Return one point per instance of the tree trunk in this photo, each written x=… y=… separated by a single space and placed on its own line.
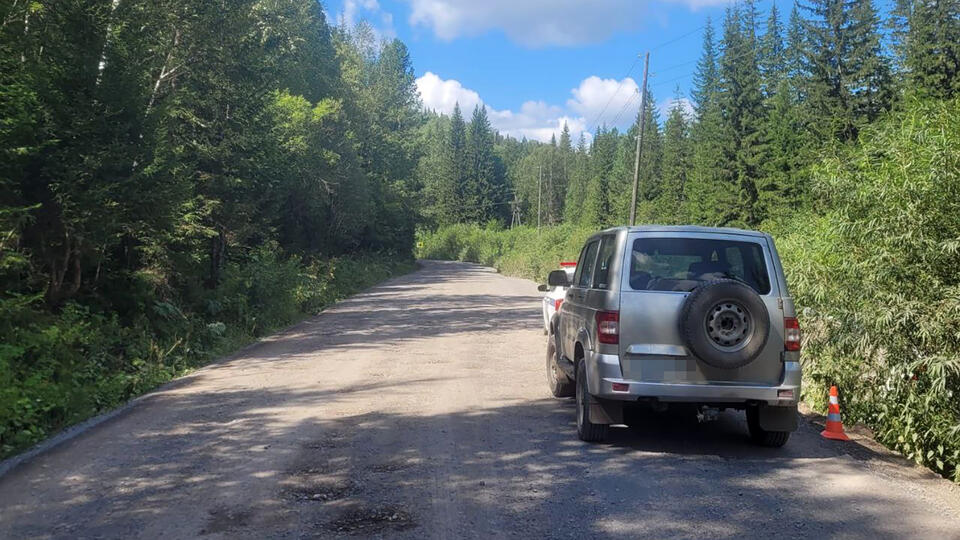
x=106 y=42
x=58 y=289
x=218 y=248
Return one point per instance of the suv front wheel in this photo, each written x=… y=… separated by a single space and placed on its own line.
x=586 y=430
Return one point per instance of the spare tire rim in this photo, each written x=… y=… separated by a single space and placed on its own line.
x=729 y=326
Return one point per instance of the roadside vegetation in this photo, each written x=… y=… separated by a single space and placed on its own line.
x=179 y=178
x=855 y=172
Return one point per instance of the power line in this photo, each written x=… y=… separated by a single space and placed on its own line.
x=720 y=58
x=626 y=106
x=617 y=91
x=668 y=81
x=673 y=67
x=678 y=38
x=603 y=111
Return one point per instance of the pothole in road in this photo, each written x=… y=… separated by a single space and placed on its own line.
x=314 y=485
x=372 y=520
x=316 y=494
x=332 y=440
x=390 y=466
x=224 y=519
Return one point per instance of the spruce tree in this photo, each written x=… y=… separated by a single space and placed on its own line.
x=455 y=167
x=565 y=158
x=705 y=78
x=795 y=53
x=931 y=47
x=781 y=187
x=773 y=67
x=741 y=103
x=707 y=135
x=650 y=157
x=676 y=165
x=598 y=208
x=848 y=78
x=579 y=181
x=483 y=177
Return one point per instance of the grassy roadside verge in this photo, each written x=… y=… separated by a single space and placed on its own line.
x=57 y=370
x=907 y=401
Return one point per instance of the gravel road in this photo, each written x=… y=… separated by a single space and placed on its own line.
x=420 y=409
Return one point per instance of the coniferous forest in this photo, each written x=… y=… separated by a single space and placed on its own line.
x=180 y=177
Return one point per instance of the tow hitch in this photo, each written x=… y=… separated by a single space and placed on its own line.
x=707 y=414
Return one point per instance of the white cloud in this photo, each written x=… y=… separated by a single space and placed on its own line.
x=606 y=101
x=537 y=23
x=442 y=95
x=540 y=120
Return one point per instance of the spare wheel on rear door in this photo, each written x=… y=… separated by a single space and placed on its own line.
x=724 y=323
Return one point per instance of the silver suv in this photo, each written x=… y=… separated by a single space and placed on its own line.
x=658 y=316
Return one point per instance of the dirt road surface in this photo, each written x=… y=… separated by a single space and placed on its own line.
x=420 y=410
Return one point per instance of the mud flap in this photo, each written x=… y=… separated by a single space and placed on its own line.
x=778 y=418
x=605 y=412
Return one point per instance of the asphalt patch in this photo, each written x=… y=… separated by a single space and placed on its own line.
x=372 y=520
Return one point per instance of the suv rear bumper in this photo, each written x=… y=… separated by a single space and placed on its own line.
x=607 y=373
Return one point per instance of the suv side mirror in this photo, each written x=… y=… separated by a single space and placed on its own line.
x=543 y=288
x=558 y=278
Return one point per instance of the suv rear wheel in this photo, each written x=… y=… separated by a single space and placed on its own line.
x=560 y=385
x=773 y=439
x=586 y=430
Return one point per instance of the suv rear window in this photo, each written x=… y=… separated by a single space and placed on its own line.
x=586 y=265
x=681 y=264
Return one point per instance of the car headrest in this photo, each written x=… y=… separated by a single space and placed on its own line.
x=708 y=267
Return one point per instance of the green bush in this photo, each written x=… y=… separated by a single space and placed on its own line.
x=880 y=278
x=521 y=251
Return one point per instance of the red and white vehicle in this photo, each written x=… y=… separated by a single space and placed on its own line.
x=554 y=296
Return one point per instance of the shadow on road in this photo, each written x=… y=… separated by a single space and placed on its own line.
x=483 y=473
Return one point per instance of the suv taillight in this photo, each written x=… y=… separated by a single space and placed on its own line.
x=557 y=303
x=791 y=334
x=608 y=327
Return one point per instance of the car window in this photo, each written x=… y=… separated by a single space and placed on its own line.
x=579 y=269
x=586 y=265
x=608 y=247
x=681 y=264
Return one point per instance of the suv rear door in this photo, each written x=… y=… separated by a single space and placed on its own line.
x=659 y=269
x=574 y=306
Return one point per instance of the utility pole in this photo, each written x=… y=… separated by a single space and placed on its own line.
x=643 y=124
x=539 y=196
x=515 y=220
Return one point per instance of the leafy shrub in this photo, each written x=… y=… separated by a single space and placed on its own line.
x=260 y=293
x=880 y=275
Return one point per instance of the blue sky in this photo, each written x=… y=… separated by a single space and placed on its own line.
x=538 y=63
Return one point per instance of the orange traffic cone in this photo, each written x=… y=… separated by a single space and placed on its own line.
x=834 y=424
